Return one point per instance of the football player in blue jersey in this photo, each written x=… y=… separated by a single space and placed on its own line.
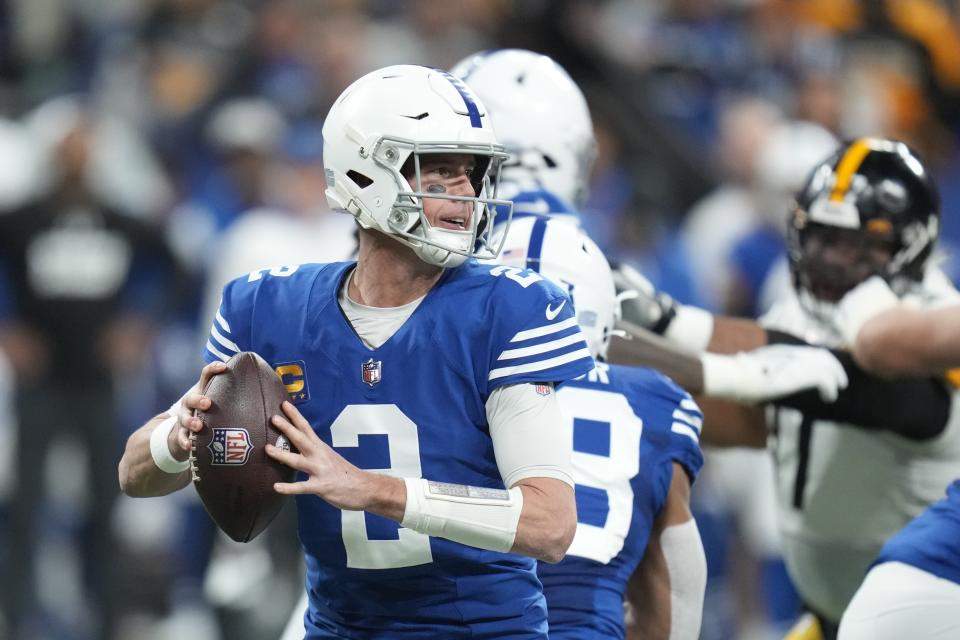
x=635 y=455
x=434 y=461
x=913 y=588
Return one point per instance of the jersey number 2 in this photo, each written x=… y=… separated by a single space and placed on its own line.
x=410 y=548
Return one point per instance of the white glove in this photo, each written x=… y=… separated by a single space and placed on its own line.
x=864 y=302
x=772 y=372
x=644 y=306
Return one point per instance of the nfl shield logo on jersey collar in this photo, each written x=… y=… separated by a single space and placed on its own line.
x=370 y=371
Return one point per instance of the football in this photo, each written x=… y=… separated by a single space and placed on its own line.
x=231 y=470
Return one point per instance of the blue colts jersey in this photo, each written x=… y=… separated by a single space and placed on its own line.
x=412 y=408
x=931 y=541
x=629 y=426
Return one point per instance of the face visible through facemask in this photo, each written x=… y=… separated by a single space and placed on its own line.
x=446 y=174
x=836 y=260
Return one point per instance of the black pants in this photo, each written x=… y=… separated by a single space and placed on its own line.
x=87 y=415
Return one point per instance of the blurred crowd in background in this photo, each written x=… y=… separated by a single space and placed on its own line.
x=151 y=150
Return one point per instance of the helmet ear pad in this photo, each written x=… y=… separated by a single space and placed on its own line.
x=875 y=198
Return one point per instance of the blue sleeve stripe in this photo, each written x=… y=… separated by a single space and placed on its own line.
x=540 y=365
x=545 y=330
x=694 y=421
x=224 y=341
x=543 y=347
x=688 y=404
x=219 y=354
x=222 y=321
x=686 y=430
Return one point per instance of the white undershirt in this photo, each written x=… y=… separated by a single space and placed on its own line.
x=374 y=325
x=531 y=436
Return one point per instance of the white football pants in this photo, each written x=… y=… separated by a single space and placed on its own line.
x=898 y=601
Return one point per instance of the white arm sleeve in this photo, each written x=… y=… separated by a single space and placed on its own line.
x=532 y=437
x=687 y=568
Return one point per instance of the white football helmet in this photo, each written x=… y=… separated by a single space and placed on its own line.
x=393 y=116
x=566 y=256
x=540 y=115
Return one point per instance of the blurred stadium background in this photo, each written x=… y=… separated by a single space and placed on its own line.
x=152 y=149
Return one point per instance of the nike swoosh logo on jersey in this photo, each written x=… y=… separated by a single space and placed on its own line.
x=553 y=313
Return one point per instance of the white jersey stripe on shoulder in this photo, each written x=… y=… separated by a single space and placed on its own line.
x=223 y=340
x=686 y=430
x=222 y=321
x=694 y=421
x=543 y=347
x=539 y=365
x=689 y=405
x=212 y=349
x=544 y=330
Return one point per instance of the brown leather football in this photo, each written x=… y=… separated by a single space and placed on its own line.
x=231 y=470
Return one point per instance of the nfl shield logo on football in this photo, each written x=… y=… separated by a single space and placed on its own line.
x=542 y=388
x=370 y=371
x=230 y=446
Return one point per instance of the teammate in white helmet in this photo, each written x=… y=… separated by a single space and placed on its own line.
x=636 y=453
x=542 y=119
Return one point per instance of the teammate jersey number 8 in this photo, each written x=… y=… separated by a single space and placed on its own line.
x=605 y=458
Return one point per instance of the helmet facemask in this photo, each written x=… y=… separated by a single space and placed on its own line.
x=833 y=260
x=407 y=220
x=404 y=113
x=869 y=210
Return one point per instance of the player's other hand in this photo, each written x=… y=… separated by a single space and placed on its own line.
x=329 y=475
x=187 y=423
x=643 y=305
x=773 y=372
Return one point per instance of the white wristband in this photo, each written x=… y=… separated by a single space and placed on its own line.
x=724 y=376
x=475 y=516
x=691 y=328
x=160 y=450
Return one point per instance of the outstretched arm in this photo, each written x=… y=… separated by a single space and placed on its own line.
x=685 y=326
x=824 y=384
x=910 y=342
x=890 y=338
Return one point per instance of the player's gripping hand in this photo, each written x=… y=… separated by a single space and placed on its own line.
x=187 y=423
x=329 y=475
x=773 y=372
x=648 y=308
